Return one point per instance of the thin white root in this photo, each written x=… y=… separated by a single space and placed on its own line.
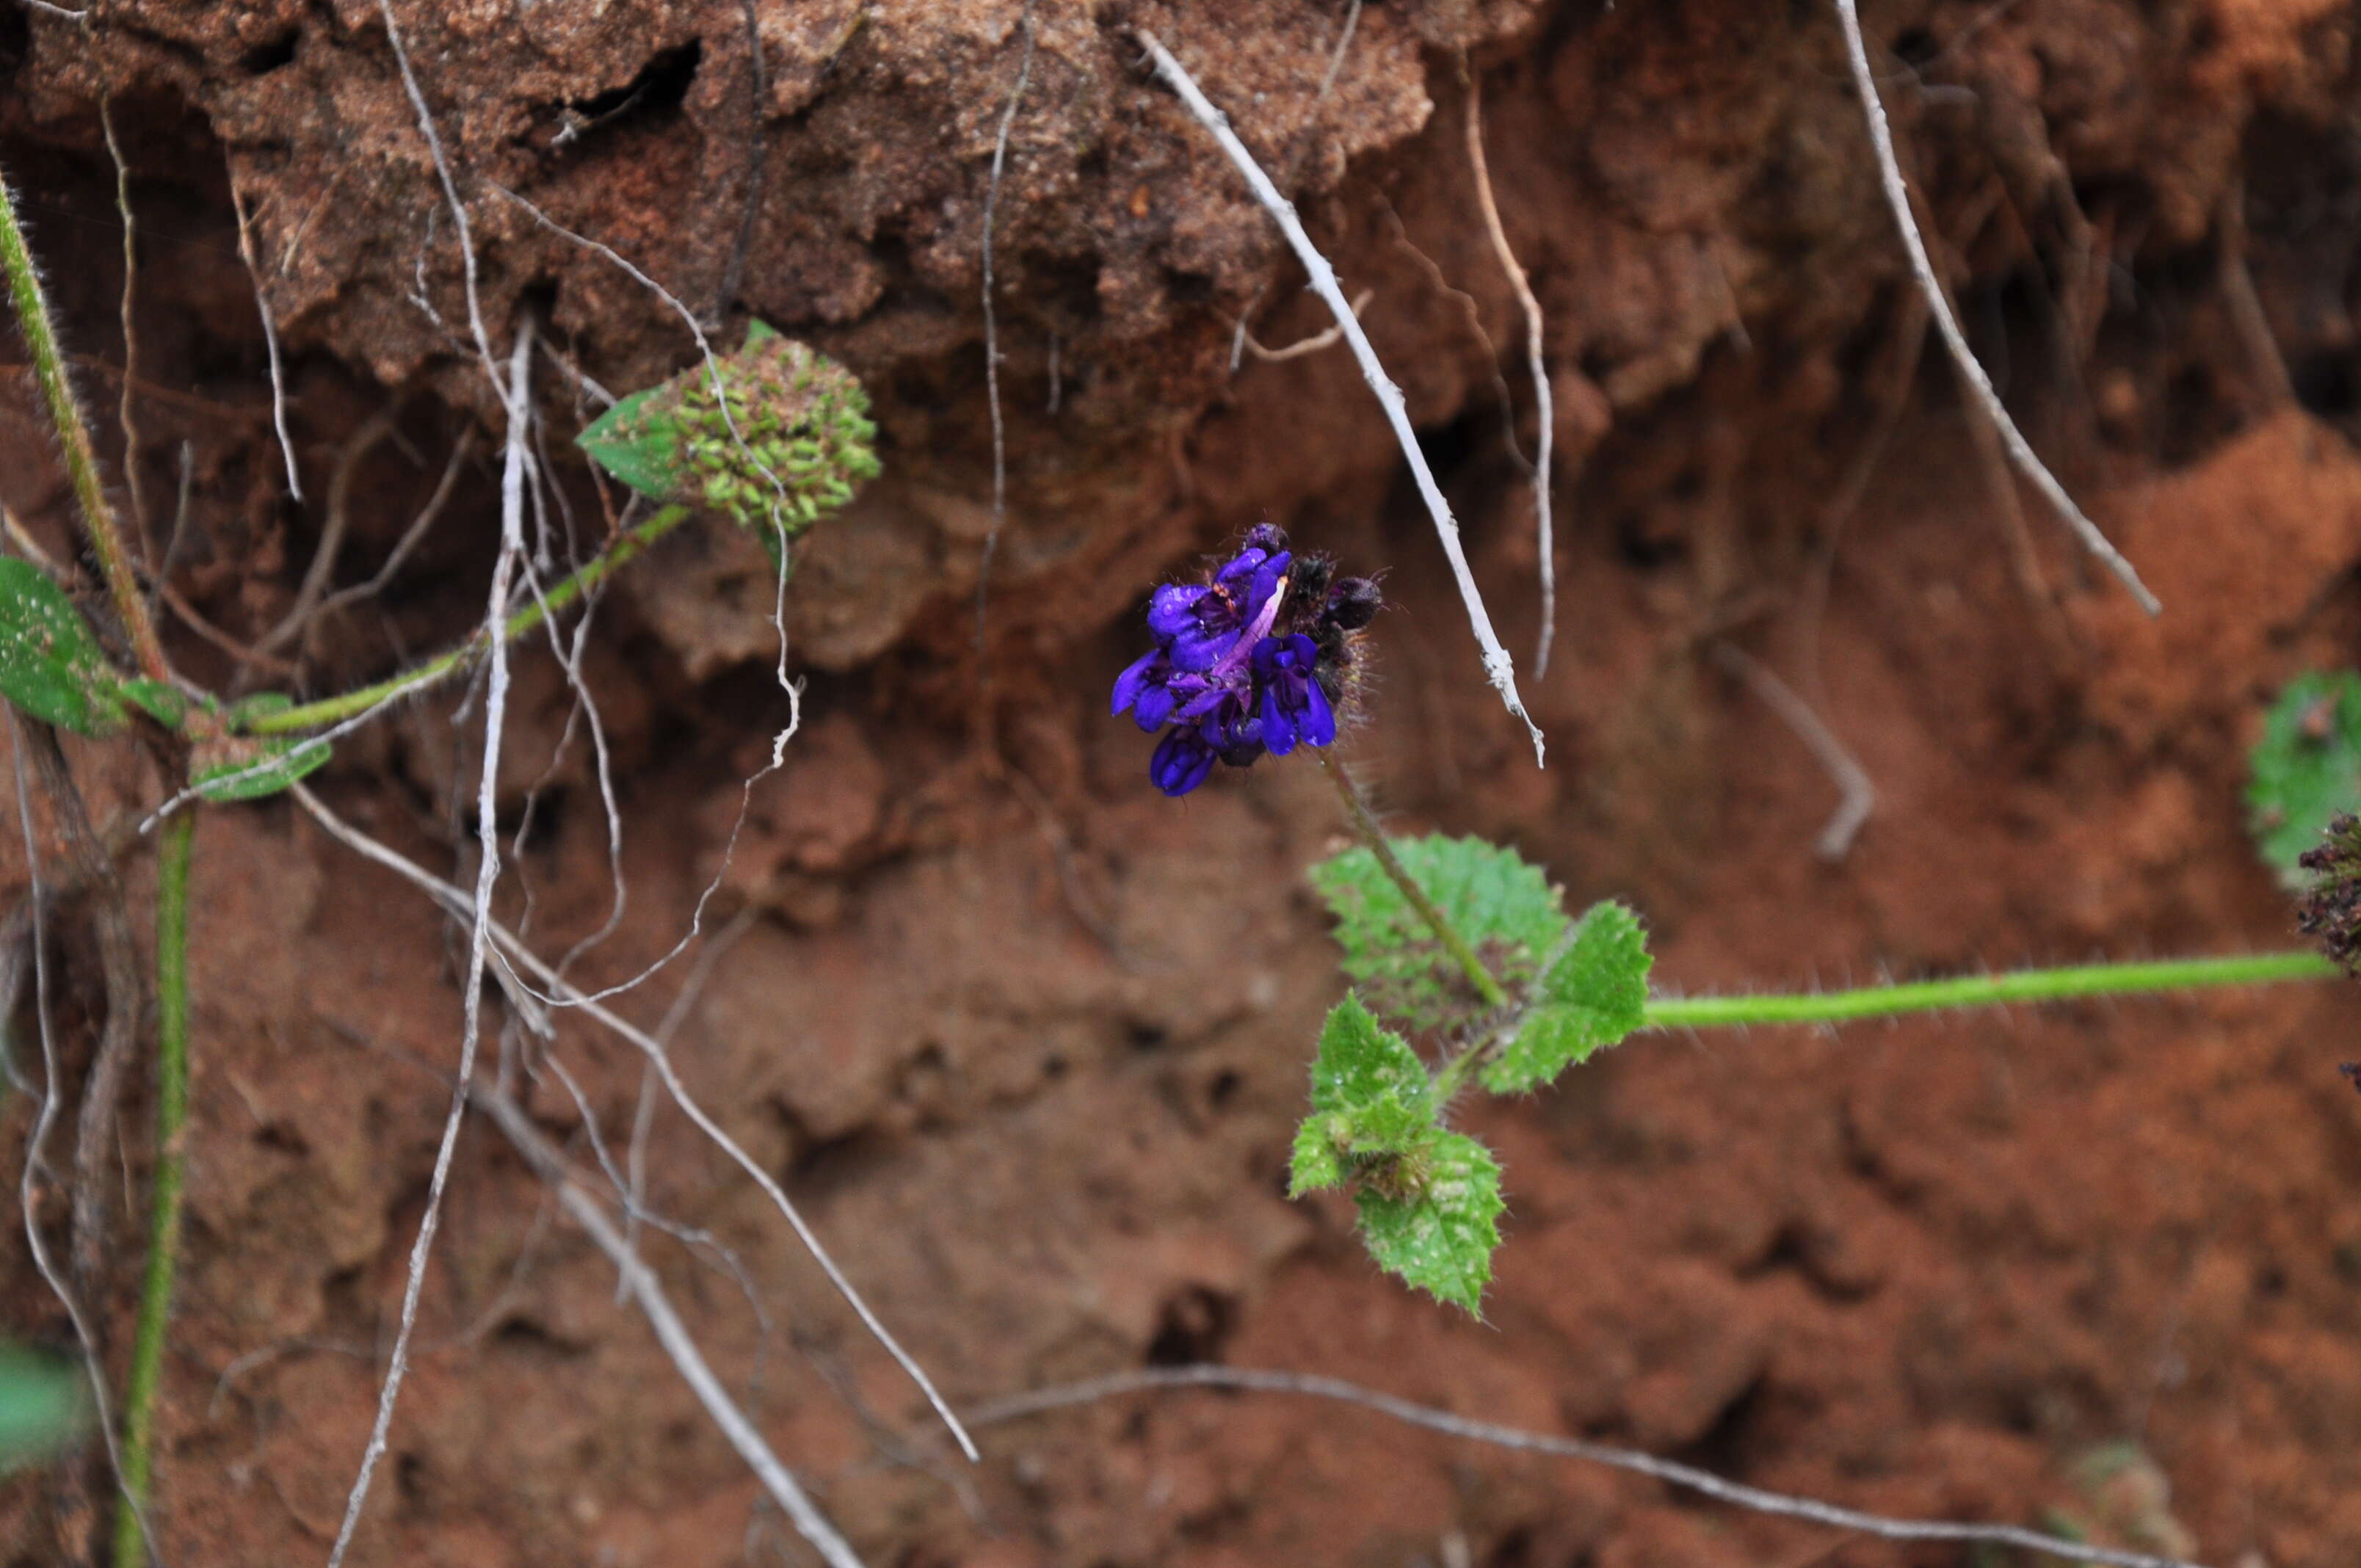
x=992 y=329
x=516 y=392
x=456 y=900
x=1545 y=407
x=2020 y=451
x=1327 y=338
x=269 y=345
x=742 y=1433
x=1499 y=668
x=1668 y=1471
x=1860 y=796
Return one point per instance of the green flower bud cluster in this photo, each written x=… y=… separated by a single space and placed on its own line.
x=776 y=434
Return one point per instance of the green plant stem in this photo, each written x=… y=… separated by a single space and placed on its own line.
x=443 y=666
x=1987 y=991
x=74 y=438
x=173 y=849
x=1365 y=823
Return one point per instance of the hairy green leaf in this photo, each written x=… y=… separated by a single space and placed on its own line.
x=1435 y=1222
x=50 y=665
x=1361 y=1064
x=2305 y=769
x=247 y=767
x=1503 y=906
x=41 y=1404
x=1594 y=995
x=638 y=443
x=1319 y=1159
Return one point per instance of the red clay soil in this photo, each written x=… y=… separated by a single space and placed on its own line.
x=1027 y=1040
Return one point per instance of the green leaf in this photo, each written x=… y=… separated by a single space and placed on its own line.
x=1594 y=995
x=241 y=767
x=1371 y=1098
x=638 y=443
x=50 y=666
x=1319 y=1159
x=1439 y=1226
x=41 y=1404
x=2305 y=769
x=1361 y=1064
x=167 y=703
x=1505 y=908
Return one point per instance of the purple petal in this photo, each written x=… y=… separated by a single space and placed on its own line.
x=1319 y=722
x=1277 y=725
x=1173 y=610
x=1266 y=583
x=1154 y=708
x=1135 y=679
x=1201 y=648
x=1240 y=566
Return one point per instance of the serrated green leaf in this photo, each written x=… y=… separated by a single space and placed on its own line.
x=1505 y=908
x=1319 y=1159
x=41 y=1404
x=2305 y=769
x=639 y=442
x=250 y=767
x=1594 y=995
x=50 y=665
x=1361 y=1064
x=1438 y=1231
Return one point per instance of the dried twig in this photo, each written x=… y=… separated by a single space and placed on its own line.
x=992 y=329
x=1499 y=668
x=2020 y=451
x=1544 y=413
x=741 y=1433
x=1670 y=1472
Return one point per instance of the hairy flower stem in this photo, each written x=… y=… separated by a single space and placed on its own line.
x=443 y=666
x=1987 y=991
x=164 y=1219
x=1365 y=823
x=74 y=438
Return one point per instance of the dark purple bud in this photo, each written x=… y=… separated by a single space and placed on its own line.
x=1353 y=603
x=1180 y=764
x=1267 y=537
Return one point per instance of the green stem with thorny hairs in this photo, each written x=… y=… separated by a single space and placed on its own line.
x=1987 y=991
x=164 y=1220
x=310 y=716
x=82 y=461
x=1889 y=1001
x=1365 y=823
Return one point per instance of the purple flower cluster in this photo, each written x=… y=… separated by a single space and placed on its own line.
x=1255 y=660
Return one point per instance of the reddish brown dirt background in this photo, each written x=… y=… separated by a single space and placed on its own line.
x=1029 y=1040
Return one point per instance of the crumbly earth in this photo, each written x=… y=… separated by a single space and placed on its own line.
x=1027 y=1041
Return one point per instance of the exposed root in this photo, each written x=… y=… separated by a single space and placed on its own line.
x=2020 y=451
x=1544 y=413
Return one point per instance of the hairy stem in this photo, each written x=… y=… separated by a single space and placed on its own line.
x=1356 y=811
x=443 y=666
x=1987 y=991
x=164 y=1220
x=74 y=438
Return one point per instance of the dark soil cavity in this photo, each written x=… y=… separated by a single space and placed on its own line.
x=1030 y=1040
